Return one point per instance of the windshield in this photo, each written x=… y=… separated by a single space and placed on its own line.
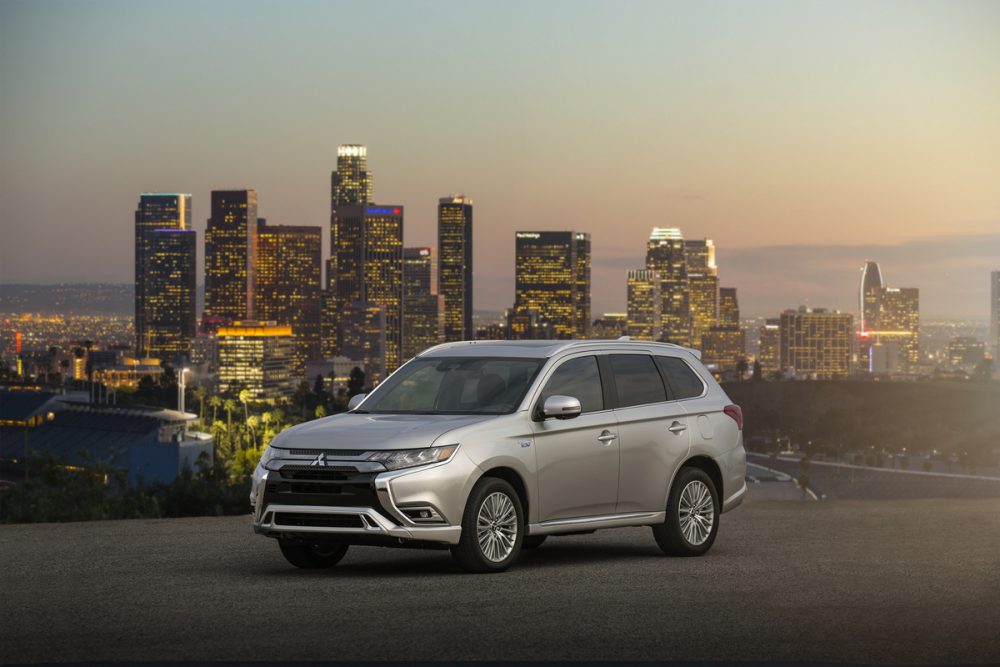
x=455 y=386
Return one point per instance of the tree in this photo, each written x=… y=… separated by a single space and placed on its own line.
x=320 y=411
x=355 y=382
x=200 y=395
x=230 y=405
x=757 y=372
x=244 y=399
x=742 y=367
x=215 y=402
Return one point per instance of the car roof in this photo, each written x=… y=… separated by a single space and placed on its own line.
x=543 y=349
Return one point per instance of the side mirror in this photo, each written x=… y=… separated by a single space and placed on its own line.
x=355 y=401
x=561 y=407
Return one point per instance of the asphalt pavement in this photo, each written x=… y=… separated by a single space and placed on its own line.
x=915 y=581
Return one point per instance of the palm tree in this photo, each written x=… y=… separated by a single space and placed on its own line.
x=244 y=398
x=230 y=405
x=200 y=394
x=215 y=402
x=252 y=422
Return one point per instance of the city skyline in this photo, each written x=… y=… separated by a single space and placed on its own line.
x=880 y=150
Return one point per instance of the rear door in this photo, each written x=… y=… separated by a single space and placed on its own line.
x=653 y=431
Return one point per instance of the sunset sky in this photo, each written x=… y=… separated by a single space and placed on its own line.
x=803 y=137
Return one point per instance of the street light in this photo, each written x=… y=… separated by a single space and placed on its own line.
x=180 y=389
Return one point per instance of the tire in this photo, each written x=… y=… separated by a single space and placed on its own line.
x=491 y=500
x=678 y=536
x=533 y=541
x=312 y=556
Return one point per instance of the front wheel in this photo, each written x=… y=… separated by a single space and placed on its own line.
x=312 y=556
x=492 y=528
x=692 y=519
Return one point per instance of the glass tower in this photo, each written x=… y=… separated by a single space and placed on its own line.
x=871 y=282
x=552 y=278
x=289 y=271
x=665 y=255
x=455 y=266
x=644 y=304
x=155 y=211
x=231 y=255
x=369 y=260
x=170 y=292
x=421 y=305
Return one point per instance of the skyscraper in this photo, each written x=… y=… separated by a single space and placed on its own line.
x=769 y=347
x=871 y=282
x=350 y=183
x=816 y=342
x=364 y=338
x=729 y=307
x=455 y=266
x=644 y=304
x=703 y=286
x=231 y=255
x=369 y=259
x=155 y=211
x=421 y=305
x=665 y=255
x=552 y=277
x=256 y=356
x=289 y=273
x=995 y=318
x=898 y=321
x=170 y=293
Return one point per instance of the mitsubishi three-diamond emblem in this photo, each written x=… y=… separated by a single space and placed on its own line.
x=319 y=460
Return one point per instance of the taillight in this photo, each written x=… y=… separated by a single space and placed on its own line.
x=736 y=413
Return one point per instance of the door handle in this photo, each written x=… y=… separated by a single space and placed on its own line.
x=677 y=428
x=607 y=437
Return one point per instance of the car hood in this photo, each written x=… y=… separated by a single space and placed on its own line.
x=369 y=432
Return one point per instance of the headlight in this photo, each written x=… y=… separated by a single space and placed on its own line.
x=267 y=455
x=408 y=458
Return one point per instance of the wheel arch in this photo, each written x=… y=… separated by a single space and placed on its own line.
x=707 y=465
x=515 y=479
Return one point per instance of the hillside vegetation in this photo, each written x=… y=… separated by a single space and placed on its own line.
x=960 y=418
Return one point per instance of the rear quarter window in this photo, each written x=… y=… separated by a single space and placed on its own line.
x=681 y=378
x=636 y=380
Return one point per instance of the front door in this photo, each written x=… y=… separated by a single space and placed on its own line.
x=577 y=458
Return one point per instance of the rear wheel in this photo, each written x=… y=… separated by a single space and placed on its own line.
x=312 y=556
x=692 y=519
x=492 y=528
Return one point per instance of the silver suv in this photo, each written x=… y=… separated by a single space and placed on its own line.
x=489 y=447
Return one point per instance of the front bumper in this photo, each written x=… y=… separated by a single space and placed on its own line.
x=356 y=501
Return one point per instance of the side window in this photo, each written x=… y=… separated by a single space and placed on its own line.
x=684 y=382
x=579 y=378
x=637 y=380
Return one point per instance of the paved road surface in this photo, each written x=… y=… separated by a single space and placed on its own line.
x=913 y=581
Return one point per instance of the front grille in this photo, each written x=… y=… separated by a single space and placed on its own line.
x=318 y=520
x=330 y=453
x=322 y=487
x=333 y=473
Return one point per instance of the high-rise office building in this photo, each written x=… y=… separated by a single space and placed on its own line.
x=289 y=274
x=231 y=255
x=610 y=326
x=703 y=286
x=995 y=318
x=816 y=342
x=455 y=266
x=364 y=338
x=421 y=305
x=155 y=211
x=898 y=321
x=644 y=304
x=665 y=255
x=552 y=277
x=769 y=347
x=170 y=294
x=369 y=258
x=871 y=282
x=729 y=307
x=723 y=344
x=965 y=352
x=351 y=183
x=258 y=357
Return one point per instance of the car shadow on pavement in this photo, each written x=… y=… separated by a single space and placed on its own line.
x=414 y=562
